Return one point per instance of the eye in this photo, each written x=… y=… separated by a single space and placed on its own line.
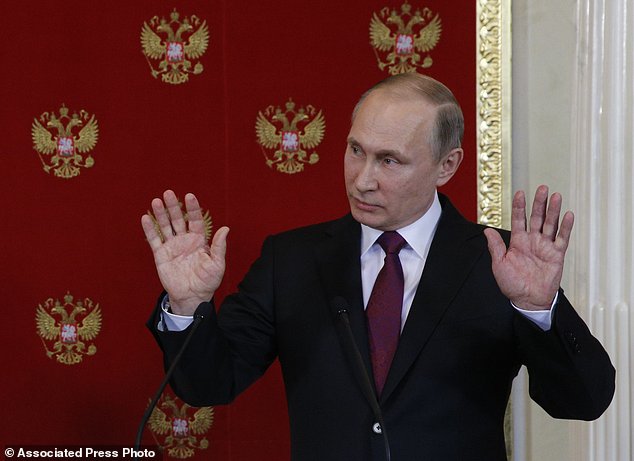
x=356 y=150
x=389 y=161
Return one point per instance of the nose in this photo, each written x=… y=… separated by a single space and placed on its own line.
x=366 y=180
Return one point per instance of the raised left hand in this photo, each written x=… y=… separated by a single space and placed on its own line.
x=529 y=271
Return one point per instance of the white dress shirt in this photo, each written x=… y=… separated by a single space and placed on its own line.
x=413 y=255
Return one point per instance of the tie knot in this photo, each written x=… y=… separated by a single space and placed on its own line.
x=391 y=242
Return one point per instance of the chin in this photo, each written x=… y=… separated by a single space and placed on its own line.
x=368 y=219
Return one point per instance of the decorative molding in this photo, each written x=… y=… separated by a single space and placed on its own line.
x=493 y=75
x=493 y=89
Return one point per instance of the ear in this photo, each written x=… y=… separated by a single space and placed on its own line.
x=449 y=165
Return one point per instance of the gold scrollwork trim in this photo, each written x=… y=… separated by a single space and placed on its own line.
x=494 y=111
x=493 y=74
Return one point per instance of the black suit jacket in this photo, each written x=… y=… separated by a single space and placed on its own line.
x=446 y=392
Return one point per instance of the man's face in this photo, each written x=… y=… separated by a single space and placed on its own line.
x=390 y=173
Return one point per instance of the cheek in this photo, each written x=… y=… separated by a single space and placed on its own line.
x=349 y=170
x=411 y=191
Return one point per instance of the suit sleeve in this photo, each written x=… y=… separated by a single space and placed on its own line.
x=570 y=373
x=231 y=348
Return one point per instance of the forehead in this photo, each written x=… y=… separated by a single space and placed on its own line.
x=386 y=116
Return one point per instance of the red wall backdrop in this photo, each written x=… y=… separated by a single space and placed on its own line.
x=83 y=236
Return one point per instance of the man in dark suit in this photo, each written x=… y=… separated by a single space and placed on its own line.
x=442 y=324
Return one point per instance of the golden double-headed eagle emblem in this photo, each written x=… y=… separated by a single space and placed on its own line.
x=67 y=328
x=286 y=136
x=67 y=137
x=402 y=37
x=176 y=426
x=176 y=45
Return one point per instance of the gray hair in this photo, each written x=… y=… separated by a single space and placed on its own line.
x=449 y=124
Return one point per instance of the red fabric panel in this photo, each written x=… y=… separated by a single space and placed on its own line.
x=83 y=236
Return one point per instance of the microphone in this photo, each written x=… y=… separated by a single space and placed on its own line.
x=340 y=308
x=198 y=318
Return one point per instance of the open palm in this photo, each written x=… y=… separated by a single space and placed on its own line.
x=529 y=271
x=190 y=270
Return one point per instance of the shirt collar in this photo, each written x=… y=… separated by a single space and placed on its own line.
x=417 y=234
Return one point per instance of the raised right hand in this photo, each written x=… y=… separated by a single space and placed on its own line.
x=190 y=270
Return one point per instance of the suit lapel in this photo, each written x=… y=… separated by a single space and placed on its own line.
x=338 y=261
x=452 y=254
x=451 y=257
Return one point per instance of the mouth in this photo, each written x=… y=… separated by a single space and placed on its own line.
x=363 y=206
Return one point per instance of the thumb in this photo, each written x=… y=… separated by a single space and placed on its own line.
x=497 y=248
x=219 y=242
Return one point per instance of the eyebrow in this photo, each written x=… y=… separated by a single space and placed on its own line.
x=380 y=153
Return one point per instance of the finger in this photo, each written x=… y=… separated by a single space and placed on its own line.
x=538 y=212
x=219 y=243
x=551 y=223
x=163 y=220
x=151 y=234
x=565 y=230
x=175 y=212
x=518 y=213
x=195 y=219
x=497 y=248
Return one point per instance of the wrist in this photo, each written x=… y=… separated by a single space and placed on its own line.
x=527 y=306
x=185 y=307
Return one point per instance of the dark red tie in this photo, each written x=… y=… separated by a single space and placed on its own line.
x=384 y=308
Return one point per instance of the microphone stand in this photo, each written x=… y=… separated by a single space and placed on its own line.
x=361 y=371
x=198 y=318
